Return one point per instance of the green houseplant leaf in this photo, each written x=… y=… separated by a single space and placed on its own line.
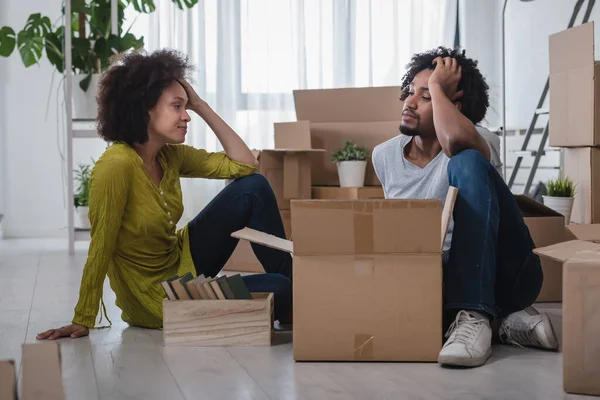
x=350 y=152
x=8 y=41
x=561 y=187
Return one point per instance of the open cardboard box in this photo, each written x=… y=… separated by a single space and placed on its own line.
x=367 y=277
x=41 y=372
x=328 y=117
x=581 y=312
x=546 y=227
x=574 y=88
x=582 y=165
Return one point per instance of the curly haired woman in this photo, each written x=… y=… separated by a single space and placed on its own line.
x=135 y=197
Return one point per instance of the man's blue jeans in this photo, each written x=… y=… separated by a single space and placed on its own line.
x=490 y=267
x=245 y=202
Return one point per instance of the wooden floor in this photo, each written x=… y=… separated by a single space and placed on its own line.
x=39 y=285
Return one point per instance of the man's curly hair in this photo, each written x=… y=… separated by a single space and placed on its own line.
x=131 y=87
x=475 y=99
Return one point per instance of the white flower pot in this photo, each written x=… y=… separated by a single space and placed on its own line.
x=83 y=221
x=352 y=173
x=84 y=103
x=562 y=205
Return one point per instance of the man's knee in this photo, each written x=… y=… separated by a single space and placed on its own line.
x=467 y=162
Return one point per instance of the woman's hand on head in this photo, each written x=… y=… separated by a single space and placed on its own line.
x=194 y=101
x=73 y=331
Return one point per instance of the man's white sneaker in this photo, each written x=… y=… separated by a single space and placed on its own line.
x=528 y=327
x=469 y=341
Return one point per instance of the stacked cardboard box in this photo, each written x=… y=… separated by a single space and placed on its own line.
x=367 y=278
x=581 y=307
x=546 y=227
x=300 y=167
x=575 y=115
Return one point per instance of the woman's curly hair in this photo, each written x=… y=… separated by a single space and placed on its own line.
x=131 y=87
x=475 y=100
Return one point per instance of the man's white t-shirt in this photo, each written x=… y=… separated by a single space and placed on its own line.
x=402 y=179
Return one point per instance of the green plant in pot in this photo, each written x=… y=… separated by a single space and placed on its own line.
x=351 y=162
x=82 y=195
x=92 y=43
x=561 y=195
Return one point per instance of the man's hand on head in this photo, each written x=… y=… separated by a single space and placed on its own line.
x=446 y=75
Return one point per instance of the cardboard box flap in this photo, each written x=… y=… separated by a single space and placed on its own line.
x=366 y=226
x=8 y=380
x=448 y=211
x=348 y=104
x=587 y=232
x=254 y=236
x=573 y=249
x=531 y=208
x=572 y=48
x=292 y=135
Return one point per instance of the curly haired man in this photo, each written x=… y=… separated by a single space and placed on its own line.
x=491 y=275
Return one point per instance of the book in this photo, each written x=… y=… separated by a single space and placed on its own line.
x=168 y=288
x=238 y=287
x=180 y=289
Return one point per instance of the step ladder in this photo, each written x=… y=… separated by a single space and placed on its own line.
x=540 y=111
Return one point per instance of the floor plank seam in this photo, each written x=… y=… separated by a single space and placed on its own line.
x=37 y=272
x=162 y=354
x=248 y=373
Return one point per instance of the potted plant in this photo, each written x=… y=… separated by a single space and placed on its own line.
x=561 y=193
x=351 y=161
x=81 y=198
x=92 y=44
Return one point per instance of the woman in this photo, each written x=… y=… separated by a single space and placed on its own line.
x=135 y=197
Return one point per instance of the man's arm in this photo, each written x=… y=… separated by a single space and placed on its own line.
x=455 y=132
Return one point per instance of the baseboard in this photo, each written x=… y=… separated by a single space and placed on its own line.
x=34 y=233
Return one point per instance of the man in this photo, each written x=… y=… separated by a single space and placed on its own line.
x=491 y=275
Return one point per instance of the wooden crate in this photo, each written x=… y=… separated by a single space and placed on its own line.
x=226 y=323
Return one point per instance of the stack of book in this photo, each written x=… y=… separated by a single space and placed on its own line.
x=187 y=287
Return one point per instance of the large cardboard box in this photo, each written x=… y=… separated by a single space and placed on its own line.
x=583 y=166
x=367 y=278
x=369 y=116
x=289 y=174
x=581 y=314
x=546 y=227
x=574 y=88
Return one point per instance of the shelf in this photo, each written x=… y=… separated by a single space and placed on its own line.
x=82 y=235
x=85 y=129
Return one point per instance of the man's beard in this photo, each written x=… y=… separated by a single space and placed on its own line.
x=408 y=131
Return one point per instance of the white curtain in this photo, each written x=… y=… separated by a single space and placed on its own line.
x=251 y=54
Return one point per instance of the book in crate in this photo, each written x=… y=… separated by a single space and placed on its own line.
x=204 y=312
x=201 y=288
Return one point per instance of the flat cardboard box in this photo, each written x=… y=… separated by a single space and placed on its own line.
x=582 y=165
x=574 y=88
x=546 y=227
x=581 y=314
x=369 y=116
x=243 y=258
x=8 y=380
x=367 y=278
x=220 y=323
x=331 y=192
x=41 y=376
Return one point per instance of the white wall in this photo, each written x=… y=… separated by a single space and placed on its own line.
x=528 y=26
x=33 y=192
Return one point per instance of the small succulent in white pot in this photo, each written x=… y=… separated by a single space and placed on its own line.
x=561 y=195
x=351 y=161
